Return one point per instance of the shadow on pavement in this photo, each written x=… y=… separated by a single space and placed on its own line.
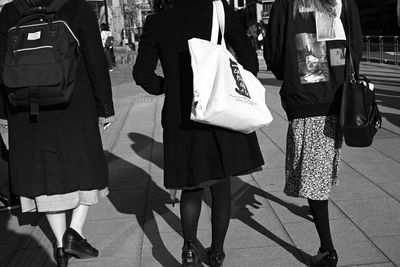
x=158 y=206
x=390 y=99
x=11 y=242
x=244 y=195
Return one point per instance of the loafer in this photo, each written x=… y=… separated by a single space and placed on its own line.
x=325 y=259
x=61 y=257
x=77 y=246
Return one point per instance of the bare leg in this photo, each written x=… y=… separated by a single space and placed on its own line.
x=58 y=225
x=78 y=218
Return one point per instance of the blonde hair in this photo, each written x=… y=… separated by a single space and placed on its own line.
x=324 y=6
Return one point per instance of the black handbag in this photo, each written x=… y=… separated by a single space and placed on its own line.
x=360 y=118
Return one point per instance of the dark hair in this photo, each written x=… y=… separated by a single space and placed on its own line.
x=324 y=6
x=162 y=5
x=34 y=2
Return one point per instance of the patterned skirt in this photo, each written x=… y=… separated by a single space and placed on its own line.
x=313 y=149
x=62 y=202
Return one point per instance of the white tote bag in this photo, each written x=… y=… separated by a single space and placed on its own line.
x=224 y=94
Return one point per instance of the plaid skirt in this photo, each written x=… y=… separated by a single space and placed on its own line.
x=55 y=203
x=313 y=149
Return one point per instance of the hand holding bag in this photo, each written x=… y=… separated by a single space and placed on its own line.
x=224 y=93
x=359 y=115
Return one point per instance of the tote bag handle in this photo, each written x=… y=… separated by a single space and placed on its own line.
x=218 y=23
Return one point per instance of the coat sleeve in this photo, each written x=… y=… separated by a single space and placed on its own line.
x=146 y=61
x=3 y=49
x=274 y=41
x=355 y=36
x=237 y=38
x=95 y=61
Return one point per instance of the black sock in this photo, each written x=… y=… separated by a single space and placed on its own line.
x=319 y=211
x=220 y=213
x=190 y=208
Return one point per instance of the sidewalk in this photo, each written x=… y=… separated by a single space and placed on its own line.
x=136 y=226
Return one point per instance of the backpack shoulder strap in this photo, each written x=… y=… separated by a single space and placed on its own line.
x=22 y=6
x=56 y=5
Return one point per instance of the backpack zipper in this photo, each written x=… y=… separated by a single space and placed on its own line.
x=40 y=24
x=32 y=48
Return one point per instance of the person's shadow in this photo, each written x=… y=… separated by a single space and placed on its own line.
x=244 y=195
x=21 y=249
x=388 y=98
x=145 y=208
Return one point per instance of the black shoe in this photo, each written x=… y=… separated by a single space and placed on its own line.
x=9 y=202
x=215 y=259
x=78 y=246
x=190 y=255
x=61 y=257
x=325 y=259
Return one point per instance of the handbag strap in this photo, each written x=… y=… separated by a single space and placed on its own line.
x=347 y=13
x=218 y=23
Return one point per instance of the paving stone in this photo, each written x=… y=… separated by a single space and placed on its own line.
x=274 y=159
x=390 y=245
x=251 y=228
x=384 y=134
x=264 y=256
x=366 y=154
x=121 y=162
x=114 y=262
x=385 y=171
x=271 y=180
x=380 y=264
x=163 y=218
x=6 y=254
x=376 y=217
x=164 y=249
x=354 y=186
x=32 y=257
x=115 y=238
x=127 y=179
x=119 y=204
x=246 y=195
x=393 y=189
x=389 y=146
x=353 y=247
x=293 y=210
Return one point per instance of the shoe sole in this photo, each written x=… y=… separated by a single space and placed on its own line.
x=78 y=254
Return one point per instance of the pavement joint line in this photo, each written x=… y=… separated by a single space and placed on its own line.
x=362 y=231
x=282 y=225
x=147 y=194
x=374 y=183
x=275 y=143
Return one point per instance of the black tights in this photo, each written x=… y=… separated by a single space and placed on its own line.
x=319 y=211
x=220 y=213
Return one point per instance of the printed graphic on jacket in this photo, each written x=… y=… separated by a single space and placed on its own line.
x=337 y=56
x=241 y=89
x=311 y=58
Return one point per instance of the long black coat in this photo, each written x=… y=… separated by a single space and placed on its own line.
x=194 y=153
x=62 y=151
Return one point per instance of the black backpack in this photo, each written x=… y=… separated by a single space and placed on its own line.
x=42 y=58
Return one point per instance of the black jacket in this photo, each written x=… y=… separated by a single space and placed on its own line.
x=194 y=153
x=309 y=88
x=62 y=152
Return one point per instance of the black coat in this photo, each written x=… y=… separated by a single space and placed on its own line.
x=62 y=151
x=194 y=153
